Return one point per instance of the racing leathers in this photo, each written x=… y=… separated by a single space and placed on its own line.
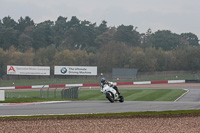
x=111 y=85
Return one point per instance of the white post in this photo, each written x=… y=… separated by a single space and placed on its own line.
x=2 y=95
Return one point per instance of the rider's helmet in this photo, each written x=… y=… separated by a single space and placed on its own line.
x=103 y=80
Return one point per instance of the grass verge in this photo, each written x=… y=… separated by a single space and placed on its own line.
x=129 y=95
x=31 y=82
x=108 y=115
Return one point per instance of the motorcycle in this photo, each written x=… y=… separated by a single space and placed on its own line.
x=111 y=94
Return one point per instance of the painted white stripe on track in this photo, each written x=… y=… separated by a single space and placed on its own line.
x=30 y=103
x=182 y=95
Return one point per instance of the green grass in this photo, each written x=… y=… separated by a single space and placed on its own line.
x=136 y=94
x=30 y=82
x=129 y=95
x=169 y=77
x=99 y=115
x=32 y=94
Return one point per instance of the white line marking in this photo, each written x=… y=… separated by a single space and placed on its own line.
x=30 y=103
x=182 y=95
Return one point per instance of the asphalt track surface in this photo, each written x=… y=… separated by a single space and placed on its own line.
x=189 y=101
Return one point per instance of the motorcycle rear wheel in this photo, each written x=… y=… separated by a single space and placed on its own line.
x=121 y=99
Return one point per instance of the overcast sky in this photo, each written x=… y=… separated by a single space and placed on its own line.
x=179 y=16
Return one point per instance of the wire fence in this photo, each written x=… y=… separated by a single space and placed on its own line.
x=44 y=93
x=59 y=93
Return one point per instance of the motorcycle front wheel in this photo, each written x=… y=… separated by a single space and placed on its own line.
x=110 y=97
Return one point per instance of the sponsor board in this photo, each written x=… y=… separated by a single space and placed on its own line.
x=28 y=70
x=75 y=70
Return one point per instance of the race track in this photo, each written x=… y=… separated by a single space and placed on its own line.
x=189 y=101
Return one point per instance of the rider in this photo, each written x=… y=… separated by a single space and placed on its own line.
x=103 y=82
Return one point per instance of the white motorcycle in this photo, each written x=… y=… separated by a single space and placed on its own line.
x=111 y=94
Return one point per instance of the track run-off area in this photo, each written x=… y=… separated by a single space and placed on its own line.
x=189 y=101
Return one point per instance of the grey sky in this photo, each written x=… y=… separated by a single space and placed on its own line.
x=179 y=16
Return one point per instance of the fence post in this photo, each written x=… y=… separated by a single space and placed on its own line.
x=62 y=93
x=55 y=93
x=41 y=92
x=48 y=93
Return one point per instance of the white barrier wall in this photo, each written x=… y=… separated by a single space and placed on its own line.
x=176 y=81
x=2 y=95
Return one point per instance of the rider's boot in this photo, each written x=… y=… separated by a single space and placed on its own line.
x=119 y=94
x=115 y=87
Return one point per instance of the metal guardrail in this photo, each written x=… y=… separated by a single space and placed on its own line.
x=71 y=93
x=192 y=81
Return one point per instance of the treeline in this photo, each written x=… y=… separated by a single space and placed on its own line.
x=82 y=43
x=111 y=55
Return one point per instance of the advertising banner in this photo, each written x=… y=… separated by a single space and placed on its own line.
x=28 y=70
x=75 y=70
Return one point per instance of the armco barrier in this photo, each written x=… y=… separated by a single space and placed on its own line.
x=125 y=83
x=176 y=81
x=91 y=84
x=159 y=82
x=56 y=86
x=97 y=84
x=192 y=81
x=142 y=82
x=23 y=87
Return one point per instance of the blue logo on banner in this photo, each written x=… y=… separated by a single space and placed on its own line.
x=63 y=70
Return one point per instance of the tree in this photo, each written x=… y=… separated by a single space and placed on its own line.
x=102 y=27
x=181 y=62
x=2 y=62
x=65 y=57
x=8 y=37
x=8 y=22
x=105 y=37
x=81 y=58
x=25 y=40
x=165 y=60
x=8 y=34
x=28 y=57
x=87 y=36
x=191 y=38
x=43 y=35
x=151 y=59
x=193 y=58
x=128 y=35
x=112 y=55
x=59 y=30
x=165 y=39
x=146 y=39
x=137 y=59
x=24 y=22
x=45 y=56
x=80 y=35
x=13 y=57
